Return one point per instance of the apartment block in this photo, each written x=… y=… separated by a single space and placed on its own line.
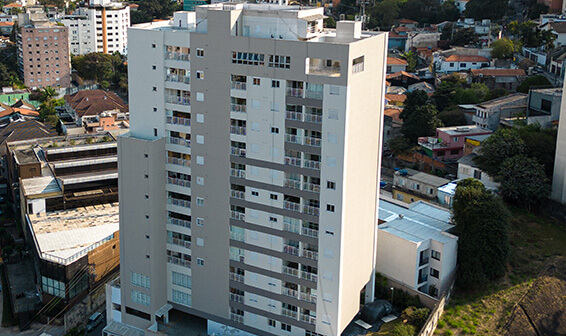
x=43 y=51
x=248 y=180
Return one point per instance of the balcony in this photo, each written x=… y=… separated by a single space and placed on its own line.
x=240 y=173
x=237 y=194
x=236 y=277
x=179 y=242
x=295 y=92
x=179 y=182
x=178 y=78
x=297 y=116
x=292 y=206
x=309 y=232
x=239 y=86
x=311 y=210
x=239 y=130
x=313 y=118
x=307 y=297
x=179 y=141
x=310 y=254
x=292 y=138
x=423 y=278
x=312 y=164
x=289 y=313
x=236 y=298
x=179 y=161
x=238 y=151
x=178 y=100
x=237 y=215
x=238 y=108
x=178 y=121
x=176 y=56
x=307 y=318
x=179 y=222
x=236 y=318
x=290 y=228
x=292 y=161
x=289 y=292
x=293 y=184
x=179 y=261
x=314 y=142
x=311 y=187
x=423 y=261
x=237 y=257
x=308 y=276
x=290 y=271
x=312 y=94
x=179 y=202
x=237 y=236
x=292 y=250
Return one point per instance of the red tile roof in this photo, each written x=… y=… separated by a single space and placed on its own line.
x=402 y=73
x=394 y=114
x=6 y=24
x=23 y=111
x=395 y=97
x=498 y=72
x=466 y=58
x=13 y=5
x=402 y=29
x=407 y=21
x=396 y=61
x=94 y=102
x=395 y=35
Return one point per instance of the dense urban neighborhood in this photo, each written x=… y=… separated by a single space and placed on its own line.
x=282 y=167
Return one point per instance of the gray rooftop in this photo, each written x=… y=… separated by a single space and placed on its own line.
x=469 y=160
x=425 y=178
x=463 y=130
x=503 y=100
x=479 y=138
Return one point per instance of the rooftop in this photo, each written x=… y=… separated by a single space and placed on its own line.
x=94 y=102
x=503 y=100
x=396 y=61
x=469 y=160
x=395 y=97
x=416 y=222
x=479 y=137
x=498 y=72
x=402 y=73
x=466 y=58
x=64 y=236
x=425 y=178
x=463 y=130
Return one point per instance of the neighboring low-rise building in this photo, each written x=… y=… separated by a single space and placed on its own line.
x=467 y=168
x=508 y=79
x=448 y=145
x=473 y=142
x=490 y=113
x=455 y=63
x=395 y=99
x=87 y=106
x=423 y=86
x=402 y=78
x=544 y=106
x=415 y=248
x=410 y=186
x=446 y=193
x=395 y=64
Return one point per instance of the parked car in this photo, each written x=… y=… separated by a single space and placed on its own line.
x=94 y=320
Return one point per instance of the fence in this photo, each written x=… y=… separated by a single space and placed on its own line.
x=432 y=320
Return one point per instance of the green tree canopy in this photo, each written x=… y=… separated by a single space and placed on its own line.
x=452 y=117
x=538 y=80
x=464 y=37
x=501 y=145
x=523 y=181
x=540 y=144
x=482 y=227
x=153 y=9
x=486 y=9
x=411 y=59
x=503 y=48
x=384 y=13
x=420 y=118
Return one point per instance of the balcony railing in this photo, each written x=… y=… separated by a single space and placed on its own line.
x=312 y=164
x=178 y=78
x=308 y=276
x=423 y=261
x=236 y=277
x=293 y=184
x=314 y=94
x=311 y=187
x=179 y=242
x=236 y=318
x=292 y=161
x=239 y=86
x=238 y=151
x=179 y=261
x=291 y=250
x=237 y=236
x=290 y=228
x=307 y=318
x=178 y=121
x=290 y=115
x=237 y=257
x=290 y=271
x=289 y=313
x=179 y=202
x=310 y=254
x=179 y=141
x=179 y=161
x=311 y=210
x=178 y=100
x=313 y=118
x=289 y=292
x=179 y=222
x=315 y=142
x=309 y=232
x=239 y=130
x=176 y=56
x=292 y=206
x=238 y=108
x=292 y=138
x=292 y=92
x=179 y=182
x=241 y=173
x=238 y=215
x=307 y=297
x=236 y=298
x=238 y=194
x=423 y=278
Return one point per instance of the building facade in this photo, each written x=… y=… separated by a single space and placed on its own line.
x=248 y=180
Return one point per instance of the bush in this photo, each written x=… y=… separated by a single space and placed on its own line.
x=404 y=330
x=416 y=316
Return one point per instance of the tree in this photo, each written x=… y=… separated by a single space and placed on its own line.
x=399 y=145
x=501 y=145
x=540 y=144
x=503 y=48
x=452 y=117
x=486 y=9
x=47 y=94
x=383 y=14
x=536 y=10
x=482 y=227
x=329 y=22
x=448 y=11
x=523 y=181
x=157 y=9
x=496 y=93
x=411 y=59
x=464 y=37
x=537 y=81
x=420 y=121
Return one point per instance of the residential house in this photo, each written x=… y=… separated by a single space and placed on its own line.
x=423 y=86
x=456 y=63
x=415 y=248
x=395 y=64
x=402 y=78
x=467 y=168
x=391 y=125
x=411 y=185
x=85 y=107
x=474 y=142
x=557 y=57
x=508 y=79
x=422 y=39
x=7 y=9
x=535 y=55
x=11 y=96
x=544 y=106
x=558 y=29
x=448 y=145
x=446 y=193
x=398 y=37
x=490 y=113
x=6 y=28
x=407 y=23
x=395 y=99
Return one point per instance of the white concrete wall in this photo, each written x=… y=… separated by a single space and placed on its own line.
x=397 y=258
x=559 y=177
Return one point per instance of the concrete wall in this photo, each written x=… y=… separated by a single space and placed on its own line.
x=559 y=177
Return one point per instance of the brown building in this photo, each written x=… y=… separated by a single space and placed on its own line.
x=43 y=51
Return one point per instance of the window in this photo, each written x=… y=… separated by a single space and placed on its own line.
x=277 y=61
x=256 y=81
x=451 y=65
x=271 y=323
x=477 y=174
x=454 y=151
x=200 y=96
x=275 y=130
x=155 y=109
x=239 y=57
x=455 y=139
x=434 y=273
x=389 y=69
x=141 y=298
x=275 y=83
x=200 y=261
x=200 y=221
x=273 y=197
x=286 y=327
x=153 y=67
x=545 y=105
x=155 y=132
x=358 y=64
x=200 y=201
x=330 y=207
x=153 y=45
x=53 y=287
x=200 y=52
x=139 y=280
x=180 y=297
x=330 y=185
x=400 y=197
x=200 y=74
x=440 y=153
x=462 y=65
x=200 y=139
x=429 y=190
x=435 y=255
x=273 y=219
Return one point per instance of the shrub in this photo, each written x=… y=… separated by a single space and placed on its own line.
x=416 y=316
x=403 y=330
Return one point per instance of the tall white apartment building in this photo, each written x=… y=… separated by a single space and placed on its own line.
x=101 y=27
x=248 y=181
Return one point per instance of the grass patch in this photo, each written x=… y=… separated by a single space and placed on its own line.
x=8 y=319
x=387 y=328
